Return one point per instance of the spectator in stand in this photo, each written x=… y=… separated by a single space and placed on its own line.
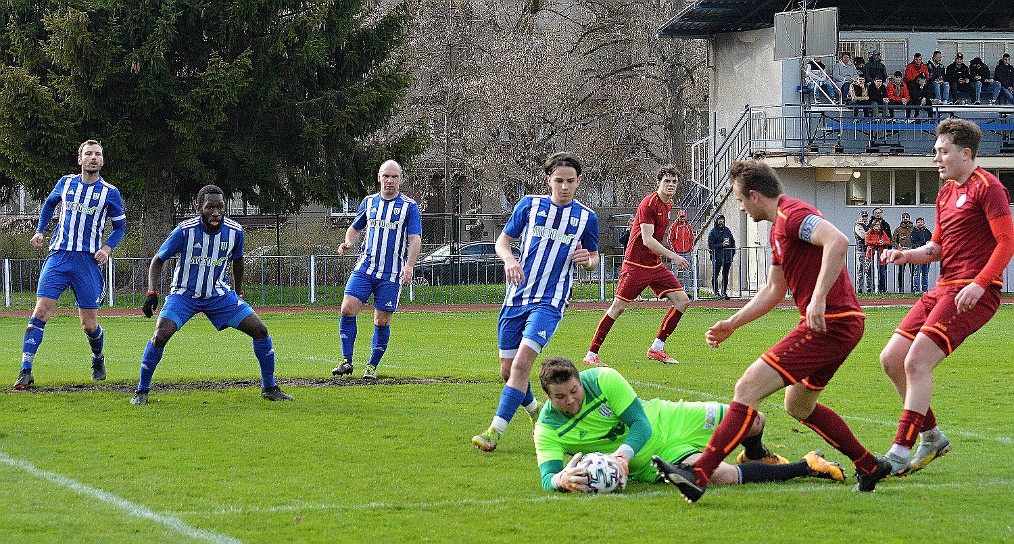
x=844 y=73
x=937 y=72
x=824 y=89
x=877 y=244
x=875 y=67
x=861 y=67
x=878 y=96
x=1004 y=74
x=681 y=240
x=859 y=95
x=920 y=237
x=723 y=248
x=983 y=81
x=864 y=283
x=959 y=78
x=915 y=68
x=903 y=240
x=921 y=94
x=897 y=94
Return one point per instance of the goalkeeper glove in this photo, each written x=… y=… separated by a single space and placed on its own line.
x=572 y=479
x=621 y=461
x=150 y=304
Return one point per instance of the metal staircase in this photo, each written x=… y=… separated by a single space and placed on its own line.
x=709 y=183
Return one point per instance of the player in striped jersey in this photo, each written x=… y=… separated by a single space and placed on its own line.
x=390 y=247
x=76 y=255
x=808 y=257
x=974 y=242
x=557 y=232
x=205 y=245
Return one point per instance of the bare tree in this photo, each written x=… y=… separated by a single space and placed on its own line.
x=501 y=84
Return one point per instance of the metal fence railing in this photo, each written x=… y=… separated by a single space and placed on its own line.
x=319 y=280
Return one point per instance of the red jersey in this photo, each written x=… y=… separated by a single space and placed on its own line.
x=962 y=229
x=656 y=212
x=800 y=260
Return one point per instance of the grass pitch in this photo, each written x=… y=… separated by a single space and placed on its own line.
x=209 y=461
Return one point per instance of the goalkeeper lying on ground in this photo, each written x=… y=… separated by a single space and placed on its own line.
x=597 y=410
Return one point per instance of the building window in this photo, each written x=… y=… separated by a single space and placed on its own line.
x=1007 y=178
x=897 y=187
x=989 y=51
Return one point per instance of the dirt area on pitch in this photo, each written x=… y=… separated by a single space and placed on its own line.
x=240 y=384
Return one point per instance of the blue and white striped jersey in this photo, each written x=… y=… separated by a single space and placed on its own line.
x=387 y=224
x=200 y=272
x=549 y=237
x=86 y=207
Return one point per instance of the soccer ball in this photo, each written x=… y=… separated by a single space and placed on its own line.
x=603 y=472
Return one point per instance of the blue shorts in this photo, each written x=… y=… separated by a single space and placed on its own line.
x=385 y=293
x=535 y=323
x=223 y=311
x=75 y=269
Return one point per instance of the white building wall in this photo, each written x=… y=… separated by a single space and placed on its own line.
x=743 y=72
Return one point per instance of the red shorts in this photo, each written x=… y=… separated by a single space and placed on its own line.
x=634 y=278
x=936 y=316
x=813 y=357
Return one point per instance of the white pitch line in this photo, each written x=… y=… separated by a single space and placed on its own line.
x=948 y=430
x=174 y=524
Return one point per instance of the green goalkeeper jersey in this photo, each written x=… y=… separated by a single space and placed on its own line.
x=678 y=429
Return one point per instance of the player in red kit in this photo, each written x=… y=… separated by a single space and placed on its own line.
x=642 y=267
x=974 y=240
x=808 y=256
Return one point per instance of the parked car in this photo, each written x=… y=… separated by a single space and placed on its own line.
x=475 y=262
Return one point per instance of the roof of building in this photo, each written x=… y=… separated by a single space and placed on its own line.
x=705 y=18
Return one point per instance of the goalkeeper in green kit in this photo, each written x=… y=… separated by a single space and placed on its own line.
x=597 y=410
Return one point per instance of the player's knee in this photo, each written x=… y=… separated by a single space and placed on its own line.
x=258 y=330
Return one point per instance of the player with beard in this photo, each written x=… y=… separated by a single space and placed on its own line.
x=206 y=244
x=76 y=255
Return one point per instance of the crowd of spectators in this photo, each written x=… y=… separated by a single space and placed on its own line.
x=867 y=83
x=873 y=239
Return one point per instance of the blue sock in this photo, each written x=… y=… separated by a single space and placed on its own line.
x=96 y=340
x=510 y=400
x=33 y=337
x=347 y=330
x=529 y=397
x=265 y=354
x=149 y=361
x=381 y=336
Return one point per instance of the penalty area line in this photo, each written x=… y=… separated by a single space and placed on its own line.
x=172 y=523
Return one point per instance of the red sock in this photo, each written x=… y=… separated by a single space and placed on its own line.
x=669 y=322
x=832 y=428
x=730 y=432
x=908 y=428
x=929 y=421
x=601 y=331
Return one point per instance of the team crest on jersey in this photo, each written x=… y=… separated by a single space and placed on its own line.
x=605 y=411
x=961 y=201
x=397 y=211
x=574 y=221
x=711 y=417
x=223 y=246
x=95 y=196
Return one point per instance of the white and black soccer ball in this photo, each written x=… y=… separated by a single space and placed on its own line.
x=603 y=472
